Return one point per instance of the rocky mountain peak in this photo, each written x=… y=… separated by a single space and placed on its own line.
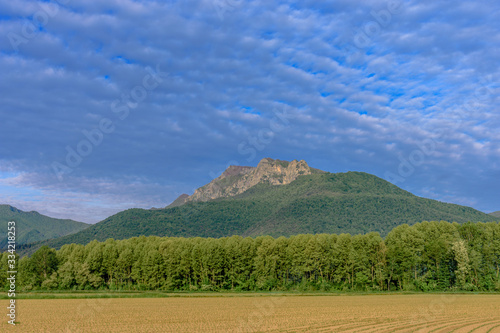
x=237 y=179
x=278 y=172
x=234 y=170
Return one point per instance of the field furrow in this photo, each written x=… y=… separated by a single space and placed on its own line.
x=474 y=327
x=275 y=314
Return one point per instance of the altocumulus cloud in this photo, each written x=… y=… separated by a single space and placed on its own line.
x=404 y=90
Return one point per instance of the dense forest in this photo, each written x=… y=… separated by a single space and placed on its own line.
x=426 y=256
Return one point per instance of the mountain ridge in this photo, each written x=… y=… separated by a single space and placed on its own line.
x=32 y=226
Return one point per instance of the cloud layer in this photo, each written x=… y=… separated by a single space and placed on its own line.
x=111 y=105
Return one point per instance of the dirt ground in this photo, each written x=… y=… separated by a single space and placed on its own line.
x=374 y=313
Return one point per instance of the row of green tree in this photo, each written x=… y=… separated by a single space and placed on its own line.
x=426 y=256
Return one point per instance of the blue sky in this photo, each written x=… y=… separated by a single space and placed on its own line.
x=108 y=105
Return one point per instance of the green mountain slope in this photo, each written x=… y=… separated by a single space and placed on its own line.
x=495 y=214
x=352 y=202
x=32 y=226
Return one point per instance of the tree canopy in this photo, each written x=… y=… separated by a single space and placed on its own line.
x=425 y=256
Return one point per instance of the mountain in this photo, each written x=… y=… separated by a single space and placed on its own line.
x=179 y=201
x=32 y=226
x=238 y=179
x=495 y=214
x=288 y=199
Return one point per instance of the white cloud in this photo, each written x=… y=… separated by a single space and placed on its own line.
x=411 y=81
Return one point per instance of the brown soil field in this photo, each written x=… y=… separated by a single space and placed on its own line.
x=373 y=313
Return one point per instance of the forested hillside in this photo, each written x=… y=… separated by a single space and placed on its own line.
x=352 y=202
x=32 y=226
x=426 y=256
x=495 y=214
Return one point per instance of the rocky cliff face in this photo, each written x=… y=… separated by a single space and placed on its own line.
x=238 y=179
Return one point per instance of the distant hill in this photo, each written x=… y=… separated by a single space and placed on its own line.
x=320 y=202
x=32 y=226
x=495 y=214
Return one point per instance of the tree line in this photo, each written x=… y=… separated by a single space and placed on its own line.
x=427 y=256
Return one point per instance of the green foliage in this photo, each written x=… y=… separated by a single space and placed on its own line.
x=427 y=256
x=495 y=214
x=352 y=202
x=40 y=267
x=462 y=258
